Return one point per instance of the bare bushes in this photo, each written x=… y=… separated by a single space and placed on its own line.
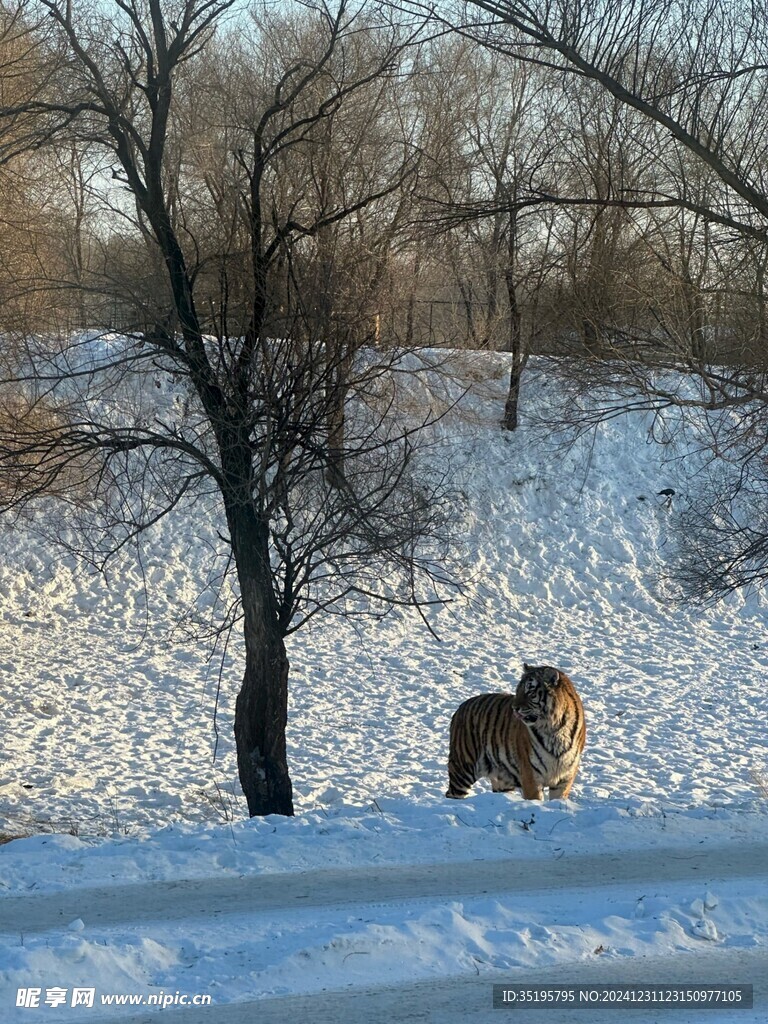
x=36 y=461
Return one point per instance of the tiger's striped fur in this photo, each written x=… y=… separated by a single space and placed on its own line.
x=524 y=740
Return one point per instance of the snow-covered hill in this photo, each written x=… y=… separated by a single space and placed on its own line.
x=108 y=728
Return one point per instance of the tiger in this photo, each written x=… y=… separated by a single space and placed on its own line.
x=524 y=740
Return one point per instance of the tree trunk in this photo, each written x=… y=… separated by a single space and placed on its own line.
x=590 y=335
x=338 y=349
x=411 y=310
x=594 y=292
x=515 y=343
x=762 y=309
x=261 y=711
x=334 y=473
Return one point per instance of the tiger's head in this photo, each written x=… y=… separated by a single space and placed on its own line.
x=536 y=693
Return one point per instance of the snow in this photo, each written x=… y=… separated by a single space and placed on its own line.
x=110 y=688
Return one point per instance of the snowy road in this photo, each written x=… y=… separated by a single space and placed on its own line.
x=174 y=901
x=455 y=1000
x=446 y=1000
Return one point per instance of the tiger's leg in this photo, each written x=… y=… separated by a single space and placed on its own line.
x=461 y=778
x=562 y=789
x=534 y=792
x=502 y=782
x=532 y=789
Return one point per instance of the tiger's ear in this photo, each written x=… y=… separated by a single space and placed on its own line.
x=526 y=667
x=551 y=677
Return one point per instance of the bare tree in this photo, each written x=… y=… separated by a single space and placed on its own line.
x=697 y=73
x=253 y=425
x=478 y=203
x=28 y=212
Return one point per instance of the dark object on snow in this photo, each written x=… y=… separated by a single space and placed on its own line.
x=667 y=494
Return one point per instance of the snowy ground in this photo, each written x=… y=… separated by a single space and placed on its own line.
x=109 y=739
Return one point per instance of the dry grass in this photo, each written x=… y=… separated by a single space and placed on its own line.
x=761 y=783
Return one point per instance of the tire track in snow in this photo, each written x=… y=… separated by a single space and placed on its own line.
x=213 y=897
x=460 y=1000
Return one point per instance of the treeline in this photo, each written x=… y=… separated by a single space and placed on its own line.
x=413 y=187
